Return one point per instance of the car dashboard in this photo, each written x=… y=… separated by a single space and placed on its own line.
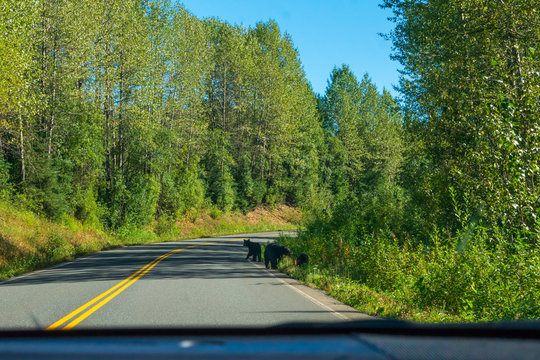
x=366 y=340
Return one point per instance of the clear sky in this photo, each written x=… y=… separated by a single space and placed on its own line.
x=327 y=33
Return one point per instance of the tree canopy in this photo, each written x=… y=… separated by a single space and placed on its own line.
x=117 y=113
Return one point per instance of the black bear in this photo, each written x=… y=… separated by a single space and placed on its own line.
x=254 y=249
x=302 y=259
x=273 y=253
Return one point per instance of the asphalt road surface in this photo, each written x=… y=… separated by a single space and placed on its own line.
x=203 y=282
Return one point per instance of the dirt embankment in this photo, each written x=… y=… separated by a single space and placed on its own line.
x=263 y=218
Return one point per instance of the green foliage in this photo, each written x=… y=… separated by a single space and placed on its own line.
x=482 y=280
x=246 y=189
x=106 y=107
x=5 y=186
x=122 y=113
x=141 y=203
x=471 y=82
x=364 y=155
x=86 y=208
x=133 y=203
x=219 y=177
x=52 y=188
x=169 y=201
x=191 y=189
x=437 y=216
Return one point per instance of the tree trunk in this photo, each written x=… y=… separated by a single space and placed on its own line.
x=21 y=145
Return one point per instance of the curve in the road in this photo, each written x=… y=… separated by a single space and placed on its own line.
x=75 y=317
x=210 y=285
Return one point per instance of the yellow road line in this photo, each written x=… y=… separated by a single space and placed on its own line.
x=110 y=297
x=118 y=288
x=77 y=311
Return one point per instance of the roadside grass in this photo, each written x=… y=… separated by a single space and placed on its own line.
x=29 y=242
x=362 y=297
x=486 y=280
x=211 y=223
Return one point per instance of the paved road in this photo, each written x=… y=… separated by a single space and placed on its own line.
x=203 y=282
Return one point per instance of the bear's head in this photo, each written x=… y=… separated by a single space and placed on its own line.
x=286 y=251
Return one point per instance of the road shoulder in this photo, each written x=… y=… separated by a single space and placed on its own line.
x=319 y=297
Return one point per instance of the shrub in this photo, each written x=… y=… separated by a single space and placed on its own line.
x=469 y=277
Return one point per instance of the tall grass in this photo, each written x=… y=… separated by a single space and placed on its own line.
x=29 y=242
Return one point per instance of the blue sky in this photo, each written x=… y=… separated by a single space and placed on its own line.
x=326 y=33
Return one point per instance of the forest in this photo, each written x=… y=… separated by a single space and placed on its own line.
x=423 y=206
x=119 y=113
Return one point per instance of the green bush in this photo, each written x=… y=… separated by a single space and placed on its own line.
x=469 y=277
x=132 y=202
x=215 y=213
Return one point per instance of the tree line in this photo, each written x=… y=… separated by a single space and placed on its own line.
x=119 y=112
x=460 y=154
x=433 y=206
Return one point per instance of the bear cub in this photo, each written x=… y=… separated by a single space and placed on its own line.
x=302 y=259
x=273 y=253
x=254 y=249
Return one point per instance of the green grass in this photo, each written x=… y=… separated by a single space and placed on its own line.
x=486 y=280
x=362 y=297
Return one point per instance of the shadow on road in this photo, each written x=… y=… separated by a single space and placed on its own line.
x=223 y=260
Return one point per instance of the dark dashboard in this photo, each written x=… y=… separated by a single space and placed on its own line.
x=355 y=340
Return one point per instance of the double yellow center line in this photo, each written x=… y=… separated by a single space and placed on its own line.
x=75 y=317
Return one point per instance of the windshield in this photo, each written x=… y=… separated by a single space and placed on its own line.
x=216 y=164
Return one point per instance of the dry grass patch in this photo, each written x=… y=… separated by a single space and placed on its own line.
x=29 y=242
x=213 y=222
